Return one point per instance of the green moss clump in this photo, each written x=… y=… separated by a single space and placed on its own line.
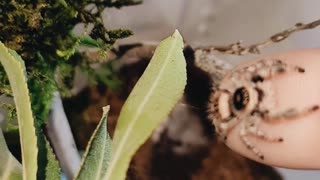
x=41 y=32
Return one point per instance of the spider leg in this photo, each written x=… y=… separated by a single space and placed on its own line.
x=279 y=67
x=244 y=132
x=224 y=127
x=290 y=114
x=263 y=135
x=266 y=70
x=252 y=126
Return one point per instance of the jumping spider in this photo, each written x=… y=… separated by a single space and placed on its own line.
x=248 y=97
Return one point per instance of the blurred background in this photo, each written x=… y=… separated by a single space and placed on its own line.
x=222 y=22
x=202 y=23
x=218 y=22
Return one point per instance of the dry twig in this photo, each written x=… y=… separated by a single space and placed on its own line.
x=239 y=49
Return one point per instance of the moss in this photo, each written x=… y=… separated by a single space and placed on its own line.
x=41 y=32
x=39 y=29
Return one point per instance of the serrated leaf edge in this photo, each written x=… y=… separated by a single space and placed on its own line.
x=89 y=146
x=20 y=64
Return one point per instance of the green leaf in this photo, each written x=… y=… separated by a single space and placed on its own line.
x=10 y=168
x=52 y=169
x=66 y=54
x=87 y=41
x=154 y=96
x=98 y=153
x=15 y=69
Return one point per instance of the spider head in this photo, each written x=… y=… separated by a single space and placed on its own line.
x=235 y=102
x=243 y=100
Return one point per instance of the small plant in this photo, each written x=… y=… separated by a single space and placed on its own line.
x=162 y=83
x=39 y=54
x=41 y=32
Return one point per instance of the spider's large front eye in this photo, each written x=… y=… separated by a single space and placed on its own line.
x=240 y=98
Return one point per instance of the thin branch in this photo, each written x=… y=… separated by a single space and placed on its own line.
x=61 y=138
x=239 y=49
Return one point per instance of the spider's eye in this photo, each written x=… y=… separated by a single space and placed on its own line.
x=240 y=98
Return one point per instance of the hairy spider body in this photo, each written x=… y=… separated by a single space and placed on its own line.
x=247 y=96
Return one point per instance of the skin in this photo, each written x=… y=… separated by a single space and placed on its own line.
x=301 y=146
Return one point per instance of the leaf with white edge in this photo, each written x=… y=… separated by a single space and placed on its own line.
x=15 y=69
x=98 y=152
x=10 y=168
x=150 y=102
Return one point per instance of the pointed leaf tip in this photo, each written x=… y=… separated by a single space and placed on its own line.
x=177 y=34
x=149 y=103
x=106 y=110
x=98 y=152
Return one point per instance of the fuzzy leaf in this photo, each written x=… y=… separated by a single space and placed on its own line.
x=153 y=97
x=98 y=152
x=10 y=168
x=15 y=69
x=52 y=169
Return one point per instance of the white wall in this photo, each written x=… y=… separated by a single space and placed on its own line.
x=219 y=22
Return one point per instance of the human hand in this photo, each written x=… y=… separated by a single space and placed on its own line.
x=299 y=146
